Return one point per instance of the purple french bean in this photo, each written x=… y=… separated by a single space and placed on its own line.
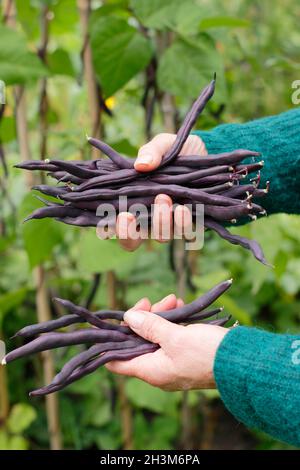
x=90 y=317
x=117 y=177
x=85 y=356
x=115 y=157
x=251 y=245
x=226 y=158
x=82 y=371
x=58 y=340
x=64 y=321
x=188 y=123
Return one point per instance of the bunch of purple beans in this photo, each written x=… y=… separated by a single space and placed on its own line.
x=213 y=181
x=107 y=340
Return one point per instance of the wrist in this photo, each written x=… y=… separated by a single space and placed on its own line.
x=219 y=336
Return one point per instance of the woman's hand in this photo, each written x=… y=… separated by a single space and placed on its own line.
x=186 y=356
x=149 y=158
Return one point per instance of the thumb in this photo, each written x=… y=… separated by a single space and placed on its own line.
x=150 y=154
x=150 y=326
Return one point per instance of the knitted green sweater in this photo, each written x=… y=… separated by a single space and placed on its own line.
x=258 y=373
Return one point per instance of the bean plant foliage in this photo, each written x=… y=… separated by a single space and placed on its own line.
x=142 y=53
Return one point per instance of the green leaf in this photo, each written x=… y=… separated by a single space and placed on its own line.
x=20 y=418
x=28 y=16
x=186 y=21
x=102 y=415
x=119 y=52
x=65 y=17
x=40 y=236
x=7 y=129
x=151 y=398
x=156 y=14
x=224 y=22
x=98 y=256
x=11 y=300
x=4 y=440
x=17 y=63
x=18 y=443
x=290 y=280
x=187 y=66
x=207 y=281
x=59 y=63
x=124 y=146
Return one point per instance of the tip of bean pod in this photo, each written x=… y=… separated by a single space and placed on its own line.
x=16 y=335
x=3 y=362
x=58 y=300
x=215 y=76
x=29 y=217
x=39 y=392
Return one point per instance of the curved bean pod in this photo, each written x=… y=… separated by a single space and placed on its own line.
x=64 y=321
x=172 y=190
x=251 y=245
x=183 y=313
x=60 y=340
x=189 y=177
x=115 y=157
x=90 y=317
x=85 y=356
x=226 y=158
x=124 y=355
x=117 y=177
x=189 y=122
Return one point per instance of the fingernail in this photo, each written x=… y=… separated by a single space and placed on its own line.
x=141 y=301
x=162 y=198
x=144 y=159
x=134 y=318
x=166 y=298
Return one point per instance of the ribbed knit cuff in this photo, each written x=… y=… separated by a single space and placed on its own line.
x=277 y=138
x=259 y=381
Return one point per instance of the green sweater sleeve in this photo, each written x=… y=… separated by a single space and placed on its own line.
x=258 y=376
x=277 y=138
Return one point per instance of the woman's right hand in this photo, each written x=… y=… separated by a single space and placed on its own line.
x=185 y=359
x=148 y=159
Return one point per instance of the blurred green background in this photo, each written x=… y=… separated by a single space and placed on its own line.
x=125 y=70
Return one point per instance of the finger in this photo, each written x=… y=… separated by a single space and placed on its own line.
x=150 y=154
x=183 y=222
x=162 y=220
x=143 y=304
x=142 y=367
x=167 y=303
x=194 y=145
x=125 y=223
x=150 y=326
x=180 y=303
